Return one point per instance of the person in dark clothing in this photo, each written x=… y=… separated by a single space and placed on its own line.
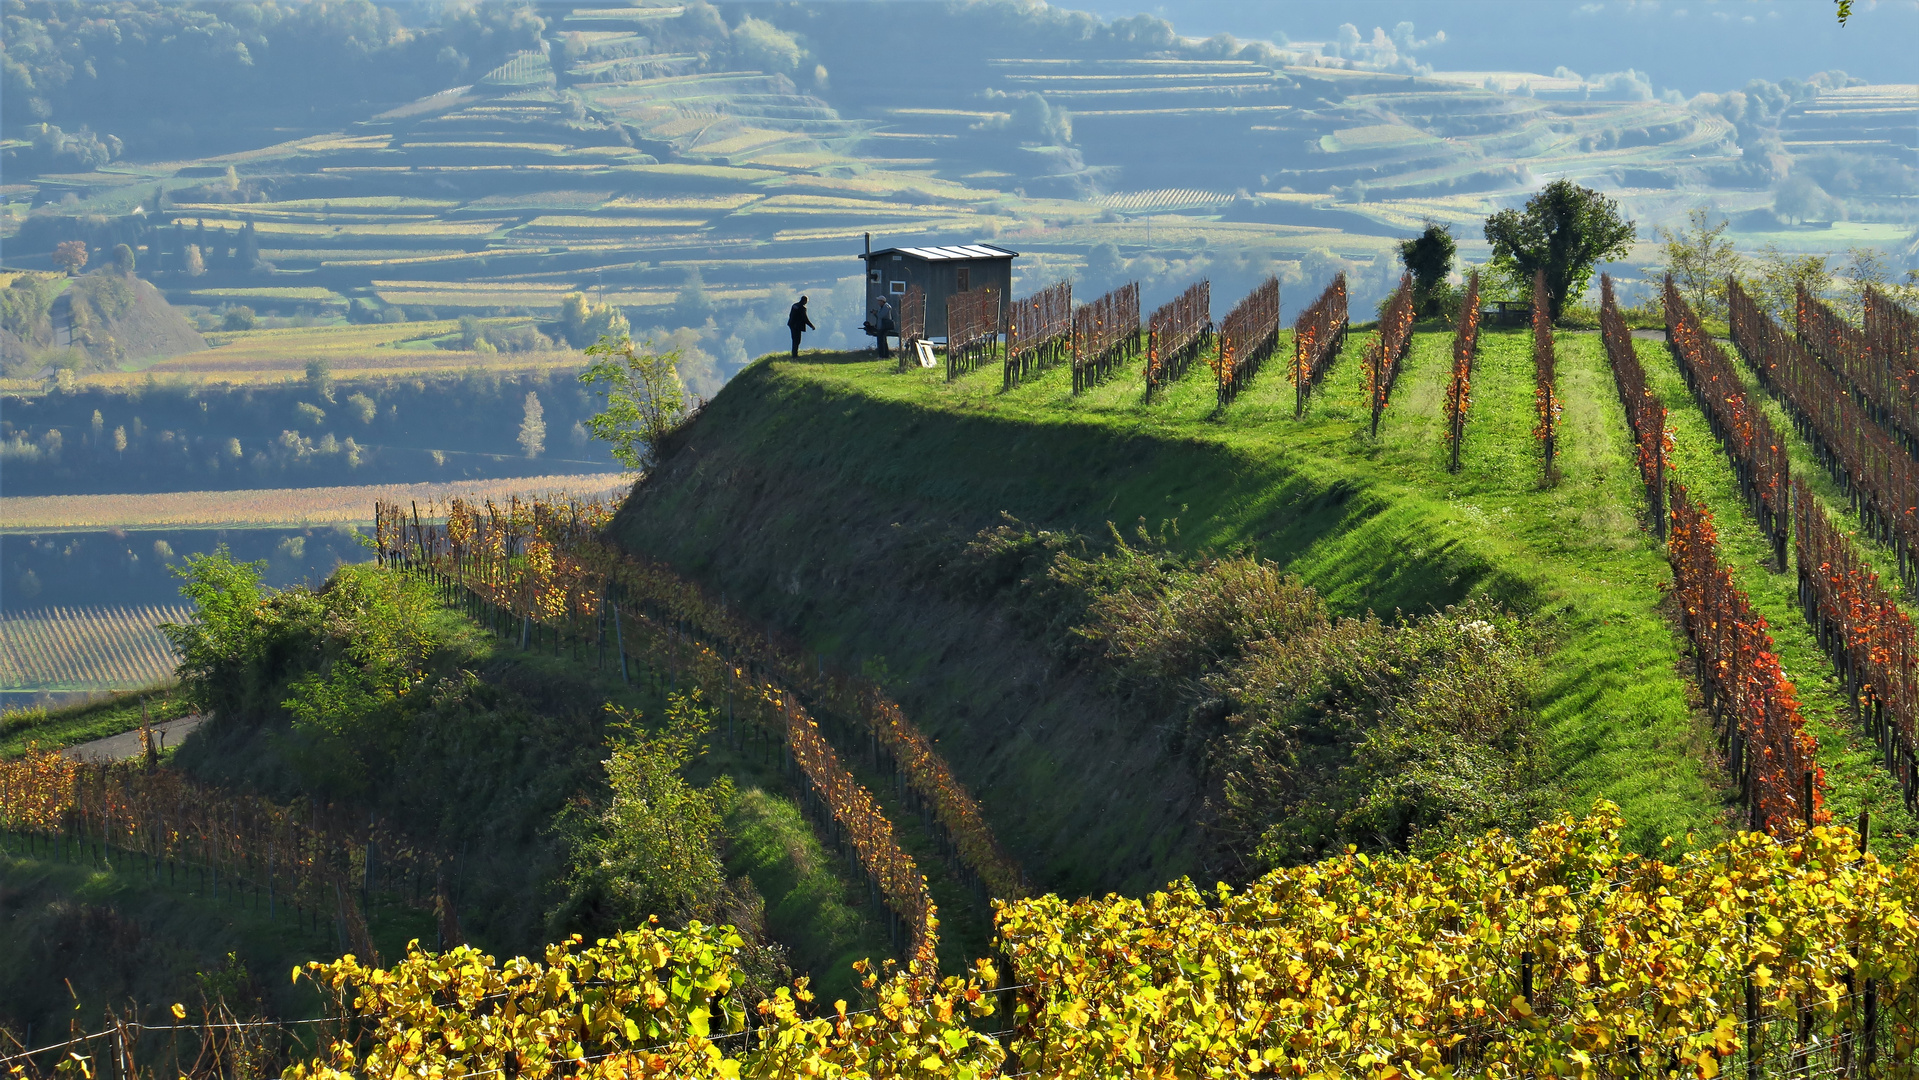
x=883 y=318
x=797 y=322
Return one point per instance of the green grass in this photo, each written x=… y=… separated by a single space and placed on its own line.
x=771 y=842
x=1855 y=780
x=84 y=935
x=841 y=445
x=53 y=729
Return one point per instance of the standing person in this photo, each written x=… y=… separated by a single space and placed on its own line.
x=886 y=324
x=797 y=322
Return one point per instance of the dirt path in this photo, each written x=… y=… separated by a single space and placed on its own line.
x=127 y=744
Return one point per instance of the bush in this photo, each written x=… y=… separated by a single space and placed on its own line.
x=239 y=318
x=652 y=848
x=1314 y=732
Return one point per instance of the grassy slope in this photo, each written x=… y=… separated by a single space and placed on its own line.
x=1855 y=780
x=53 y=729
x=489 y=784
x=822 y=495
x=119 y=936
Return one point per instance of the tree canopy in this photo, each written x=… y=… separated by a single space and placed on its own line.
x=644 y=397
x=1565 y=230
x=1430 y=258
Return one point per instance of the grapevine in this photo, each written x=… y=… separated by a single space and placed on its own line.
x=1247 y=336
x=1861 y=627
x=912 y=324
x=594 y=585
x=1388 y=349
x=1758 y=455
x=1545 y=395
x=1105 y=335
x=1878 y=363
x=1176 y=334
x=1557 y=954
x=1876 y=474
x=1459 y=388
x=1755 y=706
x=972 y=329
x=1645 y=416
x=1039 y=331
x=302 y=858
x=1318 y=334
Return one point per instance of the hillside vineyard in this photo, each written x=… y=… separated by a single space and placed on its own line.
x=958 y=541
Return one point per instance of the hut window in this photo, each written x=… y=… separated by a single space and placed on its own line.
x=873 y=275
x=898 y=287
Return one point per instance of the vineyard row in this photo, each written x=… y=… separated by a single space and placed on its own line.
x=1546 y=404
x=544 y=563
x=1459 y=387
x=1388 y=349
x=1758 y=454
x=1754 y=706
x=153 y=820
x=1879 y=479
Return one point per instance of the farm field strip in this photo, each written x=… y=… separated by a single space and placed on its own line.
x=259 y=507
x=108 y=648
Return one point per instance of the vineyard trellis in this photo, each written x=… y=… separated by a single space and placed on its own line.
x=541 y=570
x=87 y=648
x=1387 y=352
x=1039 y=332
x=1878 y=364
x=1318 y=334
x=1459 y=388
x=1879 y=479
x=1753 y=704
x=1176 y=335
x=1546 y=405
x=1105 y=335
x=912 y=326
x=308 y=861
x=1758 y=455
x=1862 y=629
x=1247 y=337
x=1645 y=414
x=972 y=329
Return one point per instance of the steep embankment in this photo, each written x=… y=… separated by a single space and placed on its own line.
x=830 y=496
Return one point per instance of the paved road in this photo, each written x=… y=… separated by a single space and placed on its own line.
x=127 y=743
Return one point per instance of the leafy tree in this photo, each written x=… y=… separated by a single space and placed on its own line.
x=225 y=636
x=320 y=379
x=239 y=317
x=70 y=255
x=123 y=258
x=1779 y=277
x=1430 y=258
x=1700 y=258
x=652 y=850
x=1566 y=230
x=533 y=426
x=583 y=322
x=196 y=263
x=644 y=398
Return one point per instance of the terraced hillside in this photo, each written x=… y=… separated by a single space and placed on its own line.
x=682 y=170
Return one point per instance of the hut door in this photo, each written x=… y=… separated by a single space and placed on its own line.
x=960 y=279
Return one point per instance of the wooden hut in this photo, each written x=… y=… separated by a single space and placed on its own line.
x=939 y=272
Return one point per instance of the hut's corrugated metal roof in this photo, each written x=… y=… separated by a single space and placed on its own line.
x=951 y=251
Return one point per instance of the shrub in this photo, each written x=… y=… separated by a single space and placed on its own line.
x=239 y=318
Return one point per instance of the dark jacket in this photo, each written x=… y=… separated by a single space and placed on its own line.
x=796 y=318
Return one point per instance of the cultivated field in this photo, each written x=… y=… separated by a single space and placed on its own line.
x=119 y=648
x=269 y=506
